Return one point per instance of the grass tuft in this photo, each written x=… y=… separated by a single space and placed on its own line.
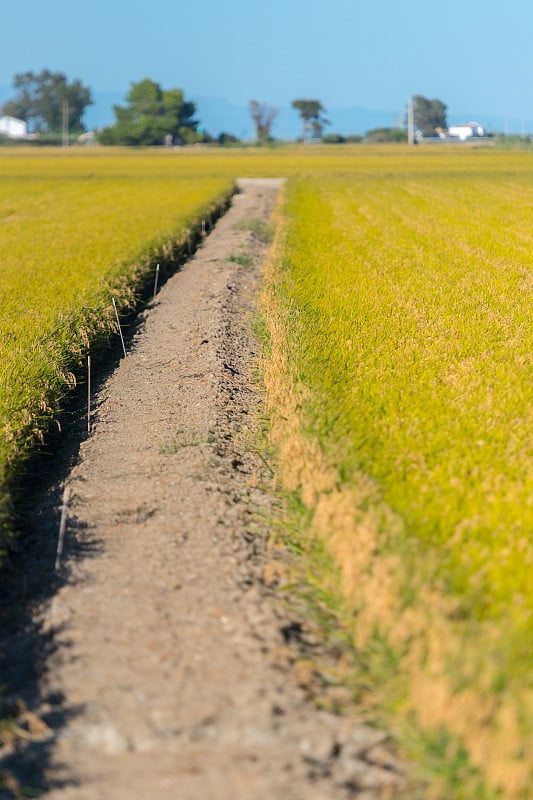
x=243 y=259
x=262 y=231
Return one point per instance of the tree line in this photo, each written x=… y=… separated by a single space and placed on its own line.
x=48 y=102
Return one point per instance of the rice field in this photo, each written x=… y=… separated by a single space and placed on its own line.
x=77 y=231
x=401 y=387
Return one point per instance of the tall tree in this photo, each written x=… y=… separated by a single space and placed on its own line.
x=151 y=115
x=428 y=114
x=263 y=117
x=43 y=98
x=311 y=114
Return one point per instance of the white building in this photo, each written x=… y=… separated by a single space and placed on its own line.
x=467 y=131
x=14 y=128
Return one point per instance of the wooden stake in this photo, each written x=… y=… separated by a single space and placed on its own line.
x=119 y=328
x=88 y=394
x=156 y=279
x=62 y=526
x=203 y=228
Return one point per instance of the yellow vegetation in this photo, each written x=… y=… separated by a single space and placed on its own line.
x=77 y=230
x=401 y=390
x=400 y=382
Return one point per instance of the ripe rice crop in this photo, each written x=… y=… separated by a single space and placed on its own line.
x=401 y=386
x=78 y=230
x=399 y=309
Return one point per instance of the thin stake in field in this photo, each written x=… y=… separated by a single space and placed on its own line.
x=156 y=280
x=88 y=394
x=203 y=228
x=119 y=328
x=62 y=526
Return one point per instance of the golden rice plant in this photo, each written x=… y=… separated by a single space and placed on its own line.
x=401 y=387
x=400 y=375
x=78 y=230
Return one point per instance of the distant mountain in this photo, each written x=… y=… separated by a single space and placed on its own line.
x=216 y=114
x=493 y=124
x=357 y=119
x=101 y=114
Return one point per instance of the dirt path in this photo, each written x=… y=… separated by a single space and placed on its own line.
x=169 y=675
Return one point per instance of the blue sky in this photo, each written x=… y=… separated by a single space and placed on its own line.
x=475 y=55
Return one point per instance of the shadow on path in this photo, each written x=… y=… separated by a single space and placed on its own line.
x=29 y=720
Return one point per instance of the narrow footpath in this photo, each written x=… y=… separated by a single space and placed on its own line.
x=169 y=674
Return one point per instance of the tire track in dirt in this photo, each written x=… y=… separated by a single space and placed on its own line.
x=169 y=665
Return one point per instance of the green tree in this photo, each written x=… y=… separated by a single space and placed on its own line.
x=43 y=98
x=226 y=139
x=151 y=115
x=428 y=114
x=311 y=114
x=263 y=117
x=379 y=135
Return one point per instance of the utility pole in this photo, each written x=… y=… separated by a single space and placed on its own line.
x=65 y=122
x=410 y=121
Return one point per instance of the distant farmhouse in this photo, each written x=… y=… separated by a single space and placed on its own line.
x=455 y=133
x=467 y=130
x=14 y=128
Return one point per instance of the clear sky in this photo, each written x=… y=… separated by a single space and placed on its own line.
x=475 y=55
